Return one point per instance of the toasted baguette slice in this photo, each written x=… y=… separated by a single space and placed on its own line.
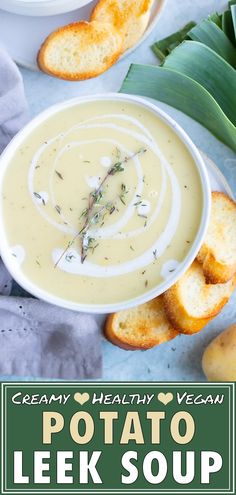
x=130 y=17
x=140 y=328
x=80 y=51
x=191 y=303
x=218 y=253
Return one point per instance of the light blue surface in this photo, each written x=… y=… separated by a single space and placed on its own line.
x=180 y=359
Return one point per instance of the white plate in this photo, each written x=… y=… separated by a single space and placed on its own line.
x=23 y=35
x=41 y=7
x=218 y=181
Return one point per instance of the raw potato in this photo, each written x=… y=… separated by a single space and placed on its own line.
x=219 y=358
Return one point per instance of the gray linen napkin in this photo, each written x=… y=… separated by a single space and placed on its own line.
x=13 y=106
x=38 y=339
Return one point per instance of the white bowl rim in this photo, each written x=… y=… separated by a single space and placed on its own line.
x=42 y=294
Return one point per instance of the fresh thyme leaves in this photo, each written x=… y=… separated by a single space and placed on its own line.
x=117 y=153
x=155 y=254
x=131 y=247
x=38 y=263
x=112 y=209
x=142 y=216
x=59 y=175
x=58 y=209
x=87 y=244
x=94 y=199
x=84 y=212
x=69 y=257
x=97 y=195
x=124 y=191
x=140 y=203
x=38 y=196
x=146 y=283
x=116 y=168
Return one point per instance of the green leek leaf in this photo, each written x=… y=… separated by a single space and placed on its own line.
x=184 y=93
x=202 y=64
x=208 y=33
x=163 y=47
x=198 y=76
x=227 y=25
x=216 y=18
x=233 y=13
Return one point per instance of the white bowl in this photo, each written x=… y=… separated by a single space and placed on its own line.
x=31 y=287
x=41 y=7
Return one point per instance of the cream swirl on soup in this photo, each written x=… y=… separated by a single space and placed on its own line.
x=147 y=221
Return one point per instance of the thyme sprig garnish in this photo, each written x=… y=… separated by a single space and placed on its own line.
x=88 y=244
x=93 y=200
x=87 y=241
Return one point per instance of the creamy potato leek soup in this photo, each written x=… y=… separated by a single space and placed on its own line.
x=101 y=202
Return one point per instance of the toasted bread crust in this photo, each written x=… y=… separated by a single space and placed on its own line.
x=111 y=336
x=90 y=33
x=180 y=319
x=177 y=313
x=220 y=194
x=215 y=271
x=119 y=14
x=150 y=327
x=129 y=17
